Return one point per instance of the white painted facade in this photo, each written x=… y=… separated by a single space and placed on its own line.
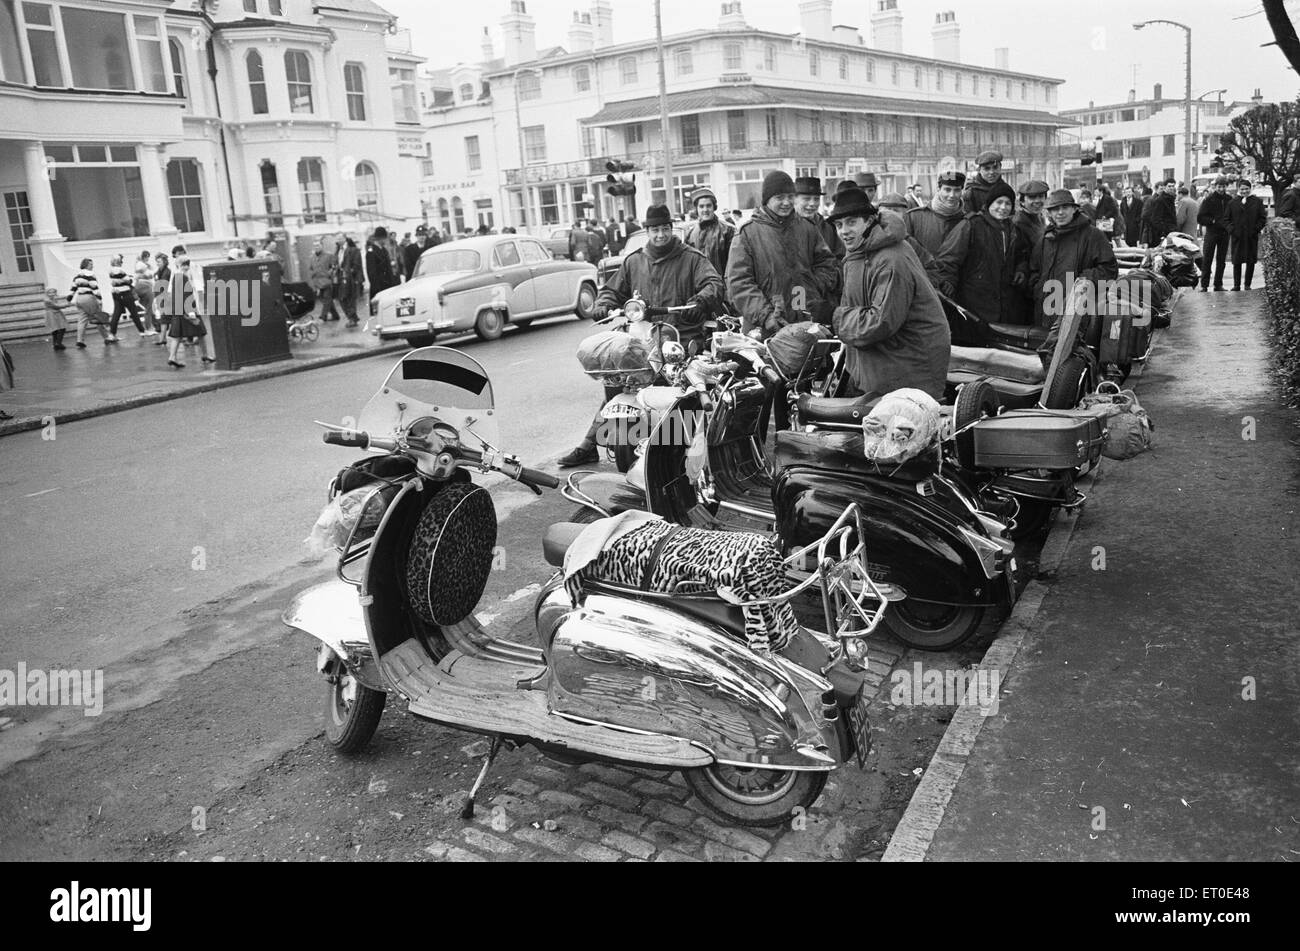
x=741 y=102
x=105 y=148
x=1144 y=141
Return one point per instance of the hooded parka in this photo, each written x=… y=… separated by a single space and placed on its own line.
x=890 y=319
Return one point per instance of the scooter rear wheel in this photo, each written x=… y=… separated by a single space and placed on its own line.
x=352 y=714
x=932 y=627
x=751 y=796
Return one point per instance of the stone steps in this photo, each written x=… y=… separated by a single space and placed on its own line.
x=22 y=311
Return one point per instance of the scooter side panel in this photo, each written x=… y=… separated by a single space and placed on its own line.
x=940 y=566
x=640 y=667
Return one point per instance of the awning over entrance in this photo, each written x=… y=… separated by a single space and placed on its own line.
x=722 y=98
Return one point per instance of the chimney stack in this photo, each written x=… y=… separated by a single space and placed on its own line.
x=1159 y=93
x=582 y=38
x=602 y=23
x=947 y=37
x=1002 y=58
x=488 y=51
x=887 y=27
x=1132 y=95
x=732 y=17
x=815 y=19
x=1258 y=98
x=519 y=32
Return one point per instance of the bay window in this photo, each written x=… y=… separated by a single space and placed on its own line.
x=98 y=192
x=185 y=189
x=42 y=42
x=297 y=71
x=311 y=183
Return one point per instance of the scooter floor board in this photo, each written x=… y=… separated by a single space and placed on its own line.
x=483 y=696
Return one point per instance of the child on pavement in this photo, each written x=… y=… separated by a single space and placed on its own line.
x=56 y=324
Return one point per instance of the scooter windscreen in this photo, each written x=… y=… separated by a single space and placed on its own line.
x=438 y=382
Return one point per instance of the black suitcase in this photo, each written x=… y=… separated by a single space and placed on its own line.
x=1039 y=439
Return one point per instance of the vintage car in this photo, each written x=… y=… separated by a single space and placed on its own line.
x=557 y=242
x=635 y=242
x=481 y=284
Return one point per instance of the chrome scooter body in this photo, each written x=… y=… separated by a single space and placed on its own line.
x=620 y=674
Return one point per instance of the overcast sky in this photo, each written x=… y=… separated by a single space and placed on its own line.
x=1091 y=44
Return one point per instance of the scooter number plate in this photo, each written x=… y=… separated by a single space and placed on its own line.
x=861 y=727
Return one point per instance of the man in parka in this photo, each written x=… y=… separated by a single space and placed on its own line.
x=1213 y=217
x=666 y=273
x=930 y=226
x=709 y=234
x=889 y=318
x=1071 y=249
x=780 y=271
x=985 y=264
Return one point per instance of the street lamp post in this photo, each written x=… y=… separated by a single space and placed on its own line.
x=1187 y=98
x=1199 y=99
x=664 y=126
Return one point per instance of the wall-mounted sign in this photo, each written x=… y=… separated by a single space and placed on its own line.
x=410 y=146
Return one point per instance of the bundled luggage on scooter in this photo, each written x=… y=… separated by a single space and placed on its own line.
x=792 y=348
x=617 y=356
x=1129 y=428
x=1039 y=439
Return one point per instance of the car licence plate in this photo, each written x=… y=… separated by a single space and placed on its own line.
x=406 y=307
x=860 y=727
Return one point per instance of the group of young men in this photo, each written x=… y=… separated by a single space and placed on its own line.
x=874 y=269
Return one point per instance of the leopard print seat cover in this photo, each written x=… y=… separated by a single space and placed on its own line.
x=699 y=562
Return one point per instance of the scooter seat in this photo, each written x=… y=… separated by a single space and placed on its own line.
x=1006 y=364
x=1026 y=337
x=558 y=539
x=844 y=452
x=847 y=410
x=1010 y=392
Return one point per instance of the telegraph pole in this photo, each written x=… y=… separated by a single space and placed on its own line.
x=664 y=130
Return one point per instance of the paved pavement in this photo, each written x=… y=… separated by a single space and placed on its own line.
x=77 y=384
x=1152 y=708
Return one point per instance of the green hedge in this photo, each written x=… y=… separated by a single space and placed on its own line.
x=1279 y=251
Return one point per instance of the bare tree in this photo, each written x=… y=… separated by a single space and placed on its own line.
x=1284 y=34
x=1270 y=136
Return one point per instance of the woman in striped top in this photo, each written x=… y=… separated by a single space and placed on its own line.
x=85 y=297
x=124 y=299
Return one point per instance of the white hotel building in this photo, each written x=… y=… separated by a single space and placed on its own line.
x=128 y=125
x=522 y=138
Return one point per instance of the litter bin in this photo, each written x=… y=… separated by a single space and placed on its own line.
x=248 y=324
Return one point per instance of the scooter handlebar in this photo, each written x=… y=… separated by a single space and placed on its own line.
x=348 y=437
x=536 y=477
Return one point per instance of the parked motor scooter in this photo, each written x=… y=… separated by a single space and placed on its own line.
x=938 y=555
x=755 y=734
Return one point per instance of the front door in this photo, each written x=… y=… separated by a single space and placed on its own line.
x=17 y=263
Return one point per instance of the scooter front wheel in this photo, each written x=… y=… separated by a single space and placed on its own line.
x=932 y=627
x=751 y=796
x=352 y=713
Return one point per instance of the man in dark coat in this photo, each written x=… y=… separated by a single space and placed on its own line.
x=913 y=198
x=1213 y=217
x=1162 y=213
x=1071 y=249
x=1108 y=209
x=595 y=242
x=930 y=226
x=976 y=194
x=709 y=234
x=985 y=265
x=667 y=274
x=780 y=271
x=379 y=266
x=889 y=318
x=411 y=253
x=1130 y=209
x=1029 y=220
x=1288 y=206
x=1246 y=219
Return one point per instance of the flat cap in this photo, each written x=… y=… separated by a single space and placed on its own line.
x=988 y=157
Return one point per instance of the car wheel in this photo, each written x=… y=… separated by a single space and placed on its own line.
x=489 y=324
x=586 y=301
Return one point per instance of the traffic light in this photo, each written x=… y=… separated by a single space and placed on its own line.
x=1216 y=163
x=1092 y=154
x=621 y=180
